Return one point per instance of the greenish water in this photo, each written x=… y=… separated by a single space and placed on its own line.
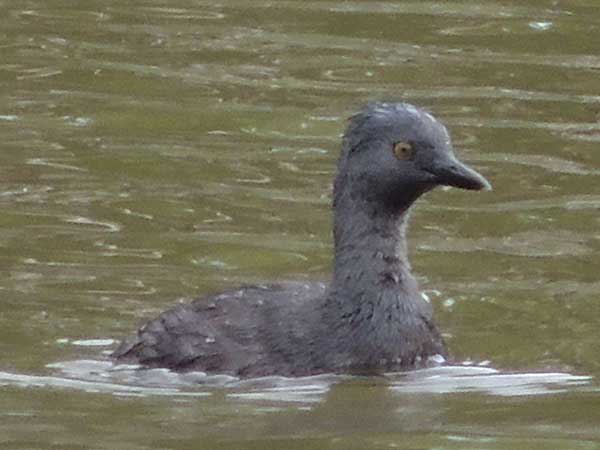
x=155 y=150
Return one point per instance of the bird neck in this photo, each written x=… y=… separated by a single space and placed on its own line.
x=371 y=257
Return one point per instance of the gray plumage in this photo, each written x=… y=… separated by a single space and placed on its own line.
x=372 y=317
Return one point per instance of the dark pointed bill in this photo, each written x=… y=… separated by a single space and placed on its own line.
x=450 y=171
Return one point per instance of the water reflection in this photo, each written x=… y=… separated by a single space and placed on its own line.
x=104 y=376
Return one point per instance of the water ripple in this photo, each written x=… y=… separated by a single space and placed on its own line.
x=111 y=227
x=104 y=377
x=549 y=163
x=531 y=244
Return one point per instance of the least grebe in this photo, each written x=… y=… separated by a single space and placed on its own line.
x=372 y=317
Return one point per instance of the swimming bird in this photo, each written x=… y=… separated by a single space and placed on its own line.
x=371 y=318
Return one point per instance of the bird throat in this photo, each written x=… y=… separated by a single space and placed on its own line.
x=371 y=257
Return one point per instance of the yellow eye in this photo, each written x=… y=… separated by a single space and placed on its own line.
x=403 y=150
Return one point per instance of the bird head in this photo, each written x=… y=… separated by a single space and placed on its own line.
x=395 y=152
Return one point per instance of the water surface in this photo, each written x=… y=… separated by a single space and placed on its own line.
x=157 y=150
